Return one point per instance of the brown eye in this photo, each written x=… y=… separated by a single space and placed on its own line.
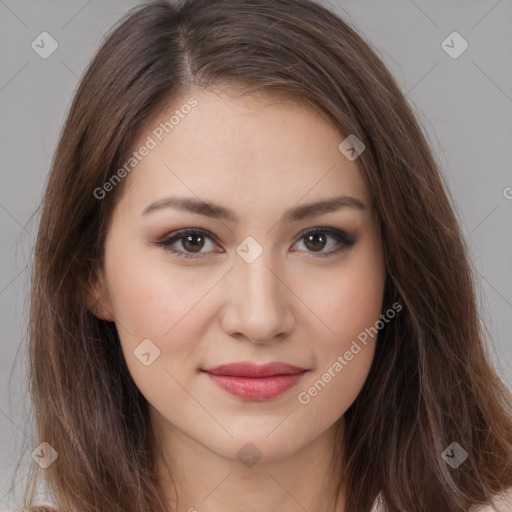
x=193 y=243
x=189 y=243
x=315 y=241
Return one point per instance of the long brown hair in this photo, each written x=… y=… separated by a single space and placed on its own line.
x=431 y=382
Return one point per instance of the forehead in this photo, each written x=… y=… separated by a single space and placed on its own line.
x=252 y=151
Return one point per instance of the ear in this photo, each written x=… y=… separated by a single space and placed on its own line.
x=97 y=297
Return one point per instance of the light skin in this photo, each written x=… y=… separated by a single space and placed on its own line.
x=258 y=156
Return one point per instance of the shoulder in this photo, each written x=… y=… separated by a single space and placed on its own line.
x=500 y=503
x=378 y=505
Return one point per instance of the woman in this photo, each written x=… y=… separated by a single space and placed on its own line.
x=250 y=290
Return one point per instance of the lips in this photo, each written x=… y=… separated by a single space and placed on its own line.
x=256 y=382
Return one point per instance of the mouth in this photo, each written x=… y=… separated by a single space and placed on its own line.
x=255 y=382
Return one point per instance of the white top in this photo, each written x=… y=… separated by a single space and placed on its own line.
x=501 y=503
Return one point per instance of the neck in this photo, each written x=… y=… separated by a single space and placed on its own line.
x=196 y=479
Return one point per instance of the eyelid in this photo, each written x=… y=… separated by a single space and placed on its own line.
x=344 y=240
x=168 y=239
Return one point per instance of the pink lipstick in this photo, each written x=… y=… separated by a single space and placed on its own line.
x=256 y=382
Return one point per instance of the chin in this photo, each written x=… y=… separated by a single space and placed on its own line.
x=263 y=444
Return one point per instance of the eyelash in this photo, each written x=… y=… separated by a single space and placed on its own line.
x=344 y=240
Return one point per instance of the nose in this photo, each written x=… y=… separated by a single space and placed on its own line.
x=258 y=303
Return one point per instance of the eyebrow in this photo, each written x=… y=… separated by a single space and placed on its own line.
x=210 y=209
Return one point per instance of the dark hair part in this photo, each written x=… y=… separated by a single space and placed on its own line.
x=431 y=382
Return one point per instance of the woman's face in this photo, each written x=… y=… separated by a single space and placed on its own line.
x=251 y=282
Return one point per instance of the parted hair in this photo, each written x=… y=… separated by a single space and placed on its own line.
x=431 y=381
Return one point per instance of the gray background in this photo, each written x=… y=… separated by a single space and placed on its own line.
x=463 y=104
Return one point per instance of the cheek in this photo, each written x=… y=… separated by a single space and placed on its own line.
x=157 y=331
x=170 y=307
x=348 y=300
x=349 y=305
x=351 y=309
x=148 y=297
